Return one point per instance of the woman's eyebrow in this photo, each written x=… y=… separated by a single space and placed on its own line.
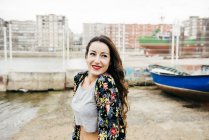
x=101 y=52
x=92 y=50
x=105 y=52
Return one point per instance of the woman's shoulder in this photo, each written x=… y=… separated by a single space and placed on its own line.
x=105 y=85
x=79 y=75
x=105 y=78
x=105 y=75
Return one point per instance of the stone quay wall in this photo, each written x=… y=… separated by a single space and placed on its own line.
x=43 y=81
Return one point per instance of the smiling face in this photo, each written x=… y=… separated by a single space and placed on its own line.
x=98 y=58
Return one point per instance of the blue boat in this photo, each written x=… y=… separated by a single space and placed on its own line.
x=181 y=84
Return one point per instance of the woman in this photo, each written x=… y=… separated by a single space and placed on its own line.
x=100 y=99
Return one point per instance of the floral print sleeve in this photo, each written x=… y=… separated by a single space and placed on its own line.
x=110 y=122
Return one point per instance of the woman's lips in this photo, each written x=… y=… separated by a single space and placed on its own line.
x=96 y=67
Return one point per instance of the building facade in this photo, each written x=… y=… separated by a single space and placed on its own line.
x=195 y=27
x=3 y=24
x=91 y=30
x=22 y=34
x=123 y=35
x=51 y=32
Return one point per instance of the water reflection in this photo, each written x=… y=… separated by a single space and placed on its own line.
x=16 y=109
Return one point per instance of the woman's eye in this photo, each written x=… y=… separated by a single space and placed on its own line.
x=104 y=55
x=92 y=54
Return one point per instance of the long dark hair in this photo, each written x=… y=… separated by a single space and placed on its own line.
x=115 y=69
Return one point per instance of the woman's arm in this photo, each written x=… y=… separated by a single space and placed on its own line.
x=109 y=106
x=78 y=78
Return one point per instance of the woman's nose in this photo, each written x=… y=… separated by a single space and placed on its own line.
x=97 y=59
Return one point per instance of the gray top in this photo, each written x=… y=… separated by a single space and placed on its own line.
x=84 y=107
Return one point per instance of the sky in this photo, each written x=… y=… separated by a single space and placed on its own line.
x=105 y=11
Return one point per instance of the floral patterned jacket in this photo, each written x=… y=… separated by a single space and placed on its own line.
x=110 y=121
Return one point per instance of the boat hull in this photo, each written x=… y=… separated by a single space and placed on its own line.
x=193 y=87
x=151 y=49
x=156 y=46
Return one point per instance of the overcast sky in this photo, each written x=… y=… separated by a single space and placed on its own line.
x=105 y=11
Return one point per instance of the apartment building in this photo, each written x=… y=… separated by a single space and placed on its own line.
x=195 y=27
x=51 y=32
x=3 y=24
x=22 y=34
x=91 y=30
x=123 y=35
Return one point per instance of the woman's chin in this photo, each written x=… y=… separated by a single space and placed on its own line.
x=95 y=72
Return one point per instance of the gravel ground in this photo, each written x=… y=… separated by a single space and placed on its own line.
x=153 y=115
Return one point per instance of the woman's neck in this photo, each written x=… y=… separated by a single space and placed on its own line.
x=91 y=78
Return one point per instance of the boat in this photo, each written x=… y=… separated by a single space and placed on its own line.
x=181 y=84
x=192 y=46
x=160 y=44
x=153 y=45
x=165 y=70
